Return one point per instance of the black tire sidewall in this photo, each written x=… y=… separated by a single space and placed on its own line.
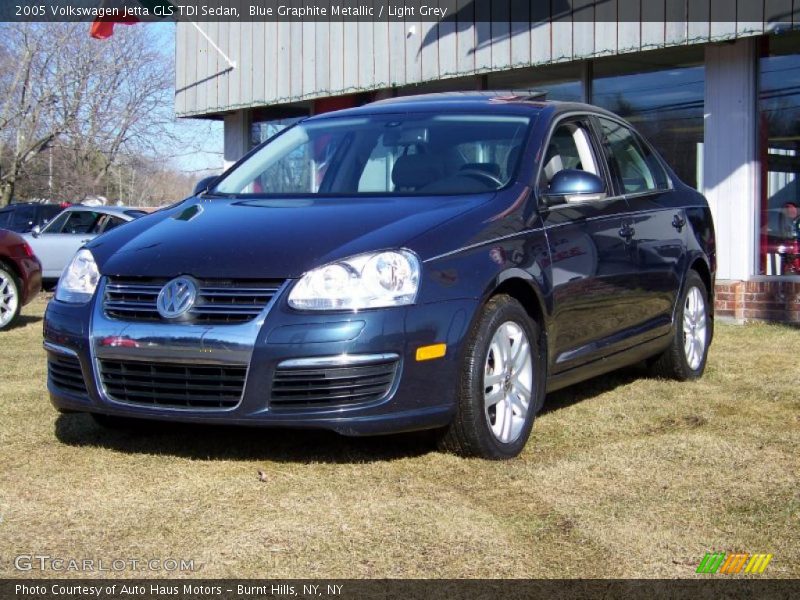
x=498 y=311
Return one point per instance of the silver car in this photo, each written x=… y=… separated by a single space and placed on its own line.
x=62 y=237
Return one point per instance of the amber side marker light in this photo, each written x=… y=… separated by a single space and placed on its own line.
x=431 y=352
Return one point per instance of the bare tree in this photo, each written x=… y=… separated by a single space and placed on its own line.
x=95 y=101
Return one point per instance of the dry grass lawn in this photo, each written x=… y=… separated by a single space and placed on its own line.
x=624 y=476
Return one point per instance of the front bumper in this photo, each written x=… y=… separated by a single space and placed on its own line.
x=422 y=394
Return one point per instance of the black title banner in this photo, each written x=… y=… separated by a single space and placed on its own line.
x=763 y=12
x=223 y=589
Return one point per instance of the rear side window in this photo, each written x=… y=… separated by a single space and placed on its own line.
x=111 y=223
x=632 y=163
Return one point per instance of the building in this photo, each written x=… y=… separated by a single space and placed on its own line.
x=719 y=98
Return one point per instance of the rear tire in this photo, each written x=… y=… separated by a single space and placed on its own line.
x=501 y=387
x=685 y=358
x=10 y=300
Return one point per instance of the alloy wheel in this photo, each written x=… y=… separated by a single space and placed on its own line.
x=9 y=299
x=694 y=328
x=507 y=382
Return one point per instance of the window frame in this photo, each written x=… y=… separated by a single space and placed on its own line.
x=643 y=145
x=600 y=158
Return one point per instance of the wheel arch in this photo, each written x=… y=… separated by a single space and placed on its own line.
x=524 y=289
x=12 y=268
x=699 y=264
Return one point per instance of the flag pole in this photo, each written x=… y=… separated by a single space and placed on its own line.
x=230 y=62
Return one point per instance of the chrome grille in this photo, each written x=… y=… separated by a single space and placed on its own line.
x=331 y=386
x=65 y=373
x=218 y=301
x=173 y=385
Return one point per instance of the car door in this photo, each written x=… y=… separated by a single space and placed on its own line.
x=588 y=257
x=657 y=228
x=62 y=238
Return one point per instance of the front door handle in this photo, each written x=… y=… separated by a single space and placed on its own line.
x=627 y=231
x=678 y=222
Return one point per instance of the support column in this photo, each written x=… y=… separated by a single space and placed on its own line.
x=237 y=136
x=731 y=174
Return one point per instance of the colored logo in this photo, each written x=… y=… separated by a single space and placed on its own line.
x=176 y=298
x=731 y=564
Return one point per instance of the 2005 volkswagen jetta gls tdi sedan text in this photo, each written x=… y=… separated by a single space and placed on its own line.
x=433 y=262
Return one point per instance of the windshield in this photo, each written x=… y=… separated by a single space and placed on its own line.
x=407 y=154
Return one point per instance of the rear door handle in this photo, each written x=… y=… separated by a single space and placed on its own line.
x=678 y=222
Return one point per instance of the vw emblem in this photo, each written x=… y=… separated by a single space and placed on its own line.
x=176 y=298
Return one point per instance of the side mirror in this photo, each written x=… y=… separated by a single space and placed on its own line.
x=204 y=185
x=36 y=231
x=573 y=185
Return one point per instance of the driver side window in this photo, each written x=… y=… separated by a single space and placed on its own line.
x=570 y=147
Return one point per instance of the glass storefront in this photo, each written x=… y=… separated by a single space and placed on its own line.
x=561 y=82
x=662 y=94
x=779 y=105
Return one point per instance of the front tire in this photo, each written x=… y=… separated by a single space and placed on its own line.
x=10 y=301
x=685 y=359
x=501 y=386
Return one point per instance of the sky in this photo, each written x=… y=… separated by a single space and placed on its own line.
x=201 y=152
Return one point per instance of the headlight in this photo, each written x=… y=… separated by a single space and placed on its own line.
x=374 y=280
x=79 y=280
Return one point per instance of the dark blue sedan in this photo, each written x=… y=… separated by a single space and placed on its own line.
x=435 y=262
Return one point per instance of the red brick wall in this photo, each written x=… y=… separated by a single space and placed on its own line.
x=758 y=300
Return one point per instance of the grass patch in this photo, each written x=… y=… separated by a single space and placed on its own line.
x=625 y=476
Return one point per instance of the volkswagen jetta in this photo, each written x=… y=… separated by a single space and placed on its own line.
x=435 y=262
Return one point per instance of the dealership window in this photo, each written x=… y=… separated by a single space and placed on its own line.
x=662 y=94
x=561 y=82
x=779 y=105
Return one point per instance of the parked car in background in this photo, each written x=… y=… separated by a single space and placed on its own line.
x=58 y=241
x=23 y=217
x=20 y=276
x=433 y=262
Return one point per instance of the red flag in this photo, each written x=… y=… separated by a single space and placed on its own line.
x=103 y=27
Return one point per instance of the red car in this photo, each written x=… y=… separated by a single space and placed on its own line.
x=20 y=276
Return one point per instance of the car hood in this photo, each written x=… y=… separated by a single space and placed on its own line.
x=268 y=239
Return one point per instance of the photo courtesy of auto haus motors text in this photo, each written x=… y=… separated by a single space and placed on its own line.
x=182 y=590
x=374 y=299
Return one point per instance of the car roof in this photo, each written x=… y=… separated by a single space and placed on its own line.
x=34 y=204
x=120 y=211
x=494 y=101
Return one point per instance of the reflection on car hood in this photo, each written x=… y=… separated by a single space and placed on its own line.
x=270 y=239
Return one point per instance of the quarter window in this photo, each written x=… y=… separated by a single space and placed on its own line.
x=632 y=163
